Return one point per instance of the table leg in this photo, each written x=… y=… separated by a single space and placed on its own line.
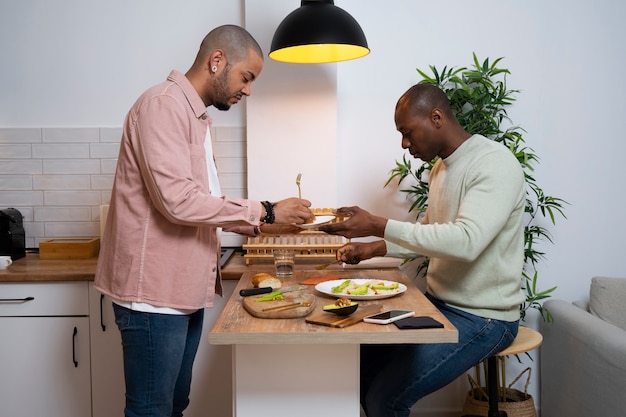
x=302 y=380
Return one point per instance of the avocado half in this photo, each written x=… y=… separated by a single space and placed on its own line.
x=341 y=310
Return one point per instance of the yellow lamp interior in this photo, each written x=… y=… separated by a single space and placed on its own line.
x=319 y=53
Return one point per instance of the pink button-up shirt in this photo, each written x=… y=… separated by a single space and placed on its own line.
x=160 y=244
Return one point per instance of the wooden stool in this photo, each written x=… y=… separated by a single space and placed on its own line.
x=527 y=339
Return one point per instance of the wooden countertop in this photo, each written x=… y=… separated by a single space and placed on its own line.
x=33 y=269
x=236 y=326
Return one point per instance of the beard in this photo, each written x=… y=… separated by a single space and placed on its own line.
x=222 y=94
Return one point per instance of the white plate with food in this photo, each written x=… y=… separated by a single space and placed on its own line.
x=319 y=220
x=361 y=289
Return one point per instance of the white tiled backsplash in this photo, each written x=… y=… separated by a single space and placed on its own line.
x=58 y=177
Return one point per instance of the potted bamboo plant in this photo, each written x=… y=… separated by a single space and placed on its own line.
x=479 y=97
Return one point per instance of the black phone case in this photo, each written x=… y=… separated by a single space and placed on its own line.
x=419 y=322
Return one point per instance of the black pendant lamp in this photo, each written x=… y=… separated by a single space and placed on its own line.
x=318 y=32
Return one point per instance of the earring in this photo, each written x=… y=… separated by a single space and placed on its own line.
x=214 y=68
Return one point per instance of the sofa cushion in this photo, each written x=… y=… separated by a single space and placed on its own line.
x=607 y=300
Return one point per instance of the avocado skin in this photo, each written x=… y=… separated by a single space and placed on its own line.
x=336 y=307
x=341 y=310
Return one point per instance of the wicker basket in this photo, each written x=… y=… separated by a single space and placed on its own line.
x=517 y=403
x=308 y=244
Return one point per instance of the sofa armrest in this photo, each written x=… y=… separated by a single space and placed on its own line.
x=582 y=304
x=583 y=364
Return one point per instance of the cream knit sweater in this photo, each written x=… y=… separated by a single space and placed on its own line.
x=472 y=230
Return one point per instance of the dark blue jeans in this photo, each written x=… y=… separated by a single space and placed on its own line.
x=394 y=377
x=159 y=350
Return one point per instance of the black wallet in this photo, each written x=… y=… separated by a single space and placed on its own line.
x=419 y=322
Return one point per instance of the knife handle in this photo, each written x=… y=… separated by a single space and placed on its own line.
x=255 y=291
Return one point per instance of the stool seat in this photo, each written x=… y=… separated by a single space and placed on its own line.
x=526 y=339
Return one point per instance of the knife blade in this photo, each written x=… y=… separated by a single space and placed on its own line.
x=266 y=290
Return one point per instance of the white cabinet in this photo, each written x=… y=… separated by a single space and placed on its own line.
x=44 y=350
x=61 y=355
x=107 y=369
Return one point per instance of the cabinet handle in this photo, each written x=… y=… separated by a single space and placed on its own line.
x=104 y=328
x=74 y=348
x=16 y=300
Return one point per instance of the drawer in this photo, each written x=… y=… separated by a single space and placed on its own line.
x=44 y=299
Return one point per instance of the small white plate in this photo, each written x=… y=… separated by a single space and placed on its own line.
x=319 y=220
x=326 y=288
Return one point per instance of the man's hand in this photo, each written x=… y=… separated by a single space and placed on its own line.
x=292 y=211
x=360 y=223
x=355 y=252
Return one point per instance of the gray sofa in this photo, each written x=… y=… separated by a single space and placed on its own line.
x=583 y=355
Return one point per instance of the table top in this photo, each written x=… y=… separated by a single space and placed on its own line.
x=236 y=326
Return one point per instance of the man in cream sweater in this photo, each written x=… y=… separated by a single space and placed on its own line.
x=472 y=232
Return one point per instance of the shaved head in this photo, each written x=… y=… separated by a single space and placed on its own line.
x=421 y=99
x=235 y=41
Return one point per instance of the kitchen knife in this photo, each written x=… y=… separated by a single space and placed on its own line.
x=266 y=290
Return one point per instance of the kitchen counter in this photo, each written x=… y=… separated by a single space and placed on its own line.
x=32 y=268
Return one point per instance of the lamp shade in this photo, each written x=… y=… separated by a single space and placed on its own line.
x=318 y=32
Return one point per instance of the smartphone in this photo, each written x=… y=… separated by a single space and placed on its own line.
x=387 y=317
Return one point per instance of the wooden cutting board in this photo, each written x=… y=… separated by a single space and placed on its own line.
x=256 y=307
x=333 y=320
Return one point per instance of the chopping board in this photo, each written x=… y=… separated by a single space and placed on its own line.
x=333 y=320
x=256 y=308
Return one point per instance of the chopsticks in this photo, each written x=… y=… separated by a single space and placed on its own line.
x=298 y=178
x=288 y=306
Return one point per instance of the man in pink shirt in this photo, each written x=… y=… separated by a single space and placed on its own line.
x=159 y=260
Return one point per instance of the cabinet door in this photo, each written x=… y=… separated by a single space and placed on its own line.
x=44 y=367
x=107 y=369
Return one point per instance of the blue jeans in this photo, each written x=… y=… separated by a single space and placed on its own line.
x=159 y=350
x=394 y=377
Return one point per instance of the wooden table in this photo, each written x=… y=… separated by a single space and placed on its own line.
x=286 y=367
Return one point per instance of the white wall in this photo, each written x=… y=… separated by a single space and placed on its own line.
x=292 y=120
x=83 y=63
